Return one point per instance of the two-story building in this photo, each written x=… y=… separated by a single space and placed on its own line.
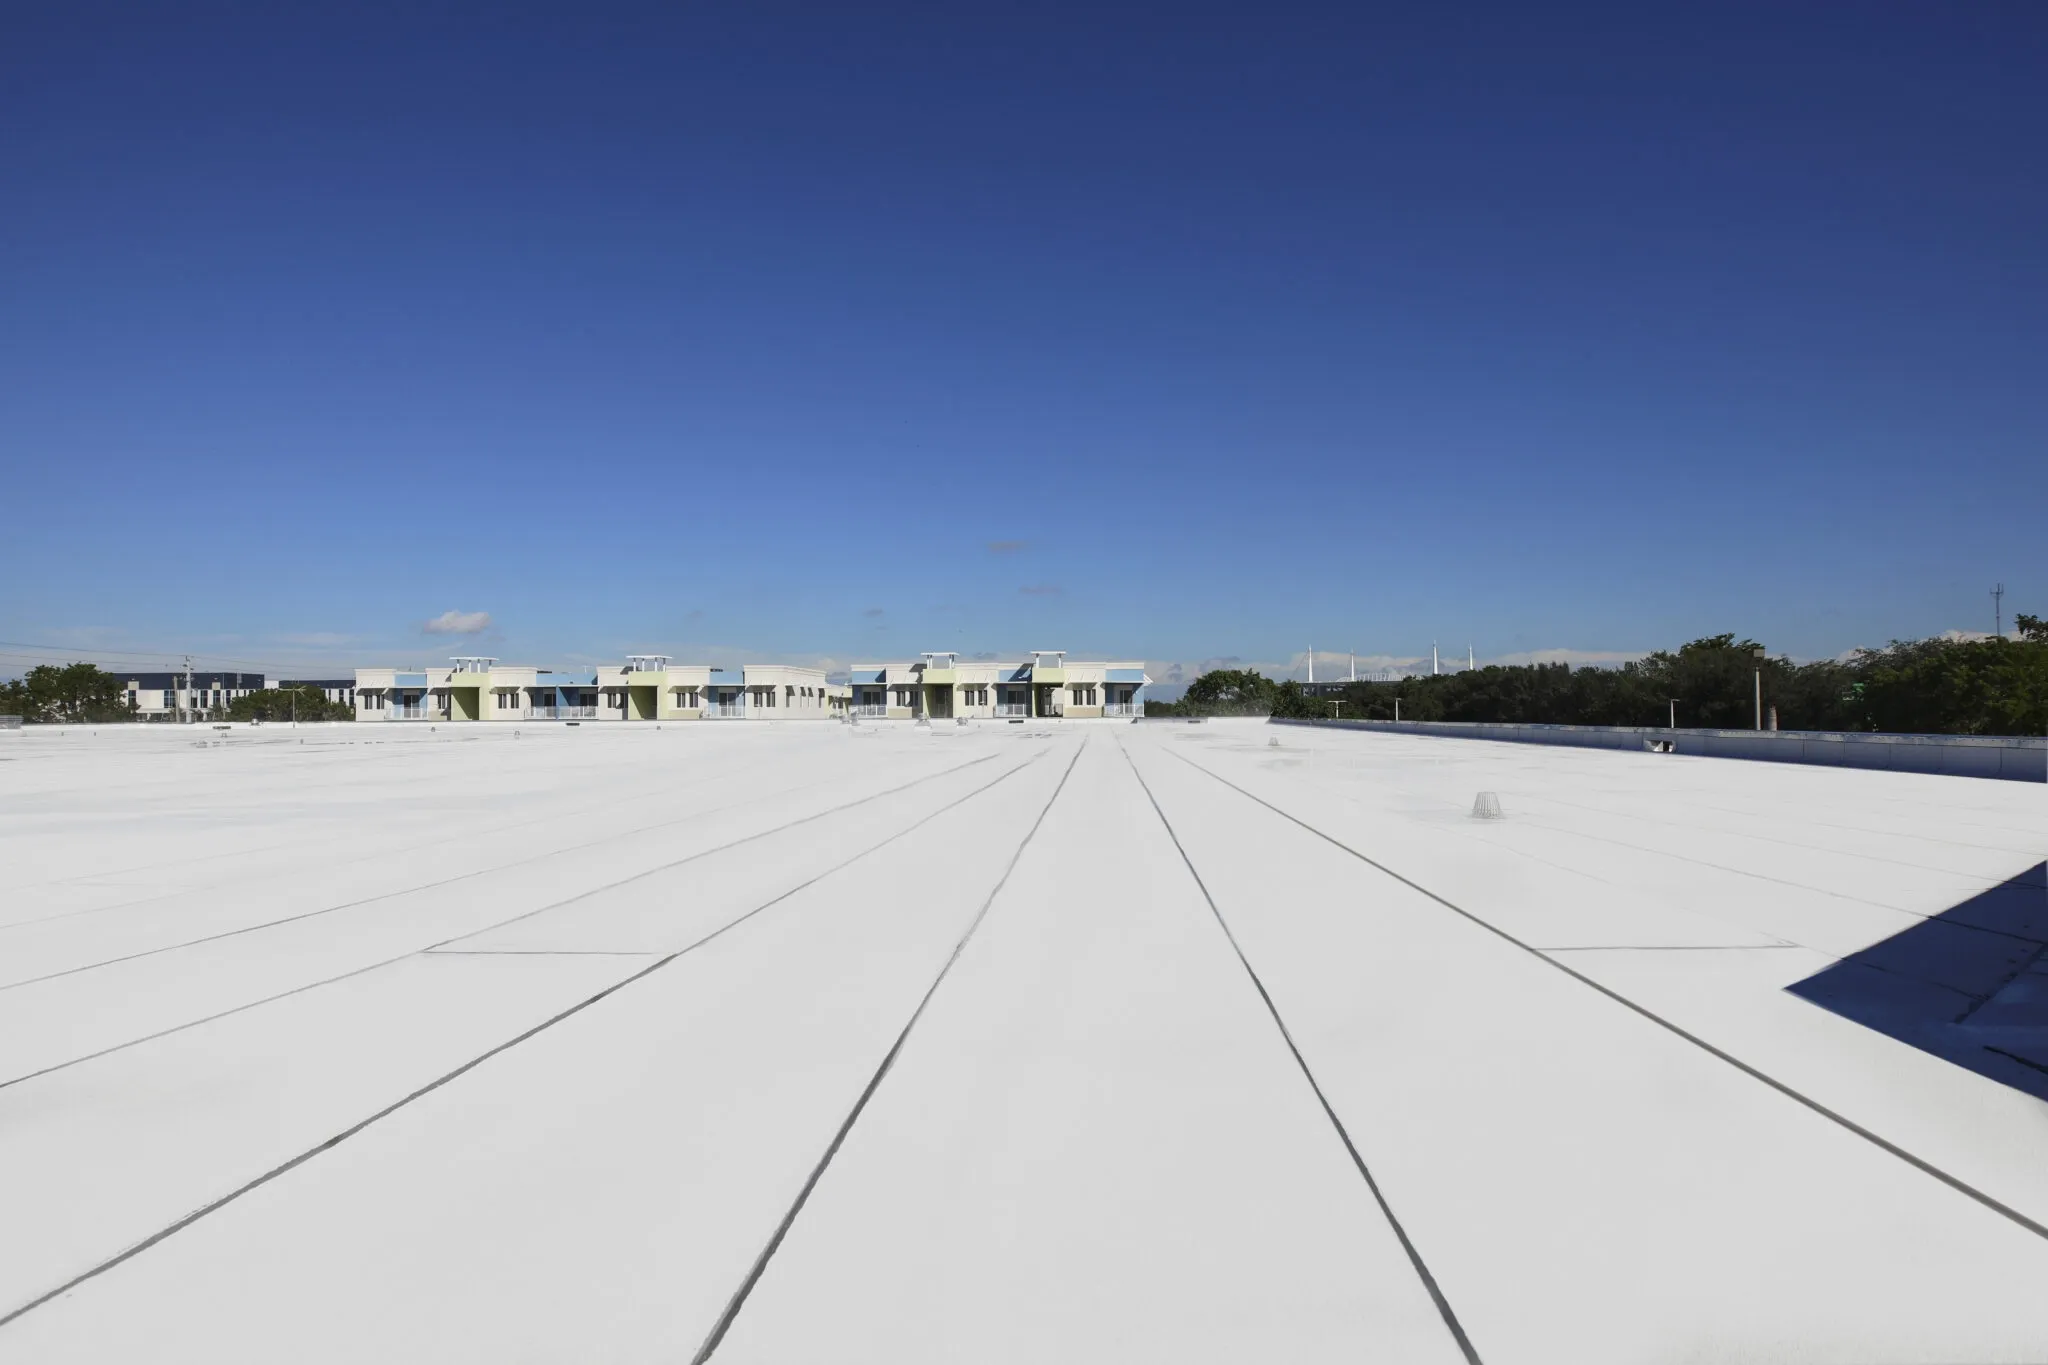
x=195 y=695
x=647 y=687
x=1042 y=685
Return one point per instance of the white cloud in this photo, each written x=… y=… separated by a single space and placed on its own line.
x=458 y=623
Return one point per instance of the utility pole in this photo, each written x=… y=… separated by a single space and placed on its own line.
x=1998 y=611
x=1758 y=652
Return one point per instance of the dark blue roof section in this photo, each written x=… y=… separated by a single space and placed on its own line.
x=207 y=680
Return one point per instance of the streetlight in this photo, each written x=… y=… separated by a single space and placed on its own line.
x=1758 y=654
x=1336 y=710
x=1674 y=713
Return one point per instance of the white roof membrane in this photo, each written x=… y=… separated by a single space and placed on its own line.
x=1003 y=1043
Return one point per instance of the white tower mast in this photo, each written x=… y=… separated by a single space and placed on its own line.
x=1311 y=663
x=1432 y=659
x=1354 y=667
x=1469 y=665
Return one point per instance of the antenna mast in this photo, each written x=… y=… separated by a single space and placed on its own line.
x=1998 y=611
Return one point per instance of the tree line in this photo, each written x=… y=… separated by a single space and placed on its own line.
x=86 y=694
x=1940 y=686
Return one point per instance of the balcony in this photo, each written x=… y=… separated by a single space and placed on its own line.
x=563 y=713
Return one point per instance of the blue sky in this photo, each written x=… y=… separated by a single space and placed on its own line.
x=1189 y=334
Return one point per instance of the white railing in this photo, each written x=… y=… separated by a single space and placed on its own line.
x=415 y=713
x=1120 y=708
x=871 y=709
x=726 y=709
x=1012 y=708
x=565 y=713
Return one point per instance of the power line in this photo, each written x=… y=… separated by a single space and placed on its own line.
x=76 y=651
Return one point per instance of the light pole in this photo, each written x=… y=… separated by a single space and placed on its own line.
x=1674 y=713
x=1758 y=656
x=1397 y=710
x=1336 y=710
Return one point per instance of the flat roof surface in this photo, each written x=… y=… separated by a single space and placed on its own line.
x=1158 y=1042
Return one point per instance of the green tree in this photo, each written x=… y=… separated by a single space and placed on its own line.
x=67 y=694
x=2017 y=687
x=287 y=701
x=1230 y=691
x=1940 y=686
